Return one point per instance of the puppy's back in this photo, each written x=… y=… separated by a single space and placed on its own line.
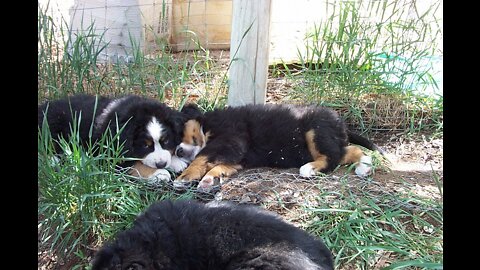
x=265 y=234
x=61 y=113
x=215 y=236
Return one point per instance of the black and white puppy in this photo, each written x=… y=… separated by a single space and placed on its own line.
x=183 y=235
x=223 y=141
x=150 y=130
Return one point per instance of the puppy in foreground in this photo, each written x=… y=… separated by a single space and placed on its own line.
x=183 y=235
x=312 y=138
x=151 y=130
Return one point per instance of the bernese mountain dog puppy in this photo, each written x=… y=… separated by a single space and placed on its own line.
x=150 y=130
x=223 y=141
x=182 y=235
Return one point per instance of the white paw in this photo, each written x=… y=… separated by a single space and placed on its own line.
x=207 y=183
x=178 y=164
x=160 y=175
x=364 y=166
x=307 y=170
x=180 y=184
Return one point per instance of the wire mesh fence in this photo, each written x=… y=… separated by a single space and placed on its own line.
x=285 y=192
x=188 y=24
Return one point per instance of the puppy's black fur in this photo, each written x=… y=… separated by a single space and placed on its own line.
x=189 y=235
x=99 y=113
x=273 y=135
x=312 y=138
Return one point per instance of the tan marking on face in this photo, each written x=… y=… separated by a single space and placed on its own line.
x=148 y=142
x=207 y=136
x=192 y=133
x=141 y=170
x=353 y=154
x=309 y=137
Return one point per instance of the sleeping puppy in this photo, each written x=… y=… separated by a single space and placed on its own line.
x=151 y=130
x=223 y=141
x=182 y=235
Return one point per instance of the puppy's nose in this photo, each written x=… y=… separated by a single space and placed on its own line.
x=161 y=164
x=179 y=152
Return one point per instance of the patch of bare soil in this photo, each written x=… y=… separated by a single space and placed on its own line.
x=413 y=165
x=418 y=161
x=48 y=260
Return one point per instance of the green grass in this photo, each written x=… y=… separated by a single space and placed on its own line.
x=68 y=64
x=348 y=65
x=360 y=227
x=348 y=57
x=84 y=200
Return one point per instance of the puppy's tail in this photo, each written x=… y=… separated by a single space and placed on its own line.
x=362 y=141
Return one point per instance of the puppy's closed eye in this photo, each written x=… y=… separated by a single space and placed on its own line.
x=164 y=140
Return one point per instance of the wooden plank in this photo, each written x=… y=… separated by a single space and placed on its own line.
x=249 y=51
x=201 y=21
x=156 y=19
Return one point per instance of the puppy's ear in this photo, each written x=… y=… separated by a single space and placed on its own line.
x=177 y=121
x=106 y=259
x=191 y=111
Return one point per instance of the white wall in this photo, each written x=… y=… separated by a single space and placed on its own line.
x=119 y=22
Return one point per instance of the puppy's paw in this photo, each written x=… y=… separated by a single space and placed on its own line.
x=208 y=183
x=186 y=180
x=190 y=174
x=178 y=164
x=364 y=166
x=160 y=175
x=193 y=173
x=307 y=170
x=182 y=185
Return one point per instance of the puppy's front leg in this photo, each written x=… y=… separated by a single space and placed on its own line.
x=194 y=172
x=153 y=174
x=178 y=164
x=223 y=149
x=141 y=170
x=216 y=176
